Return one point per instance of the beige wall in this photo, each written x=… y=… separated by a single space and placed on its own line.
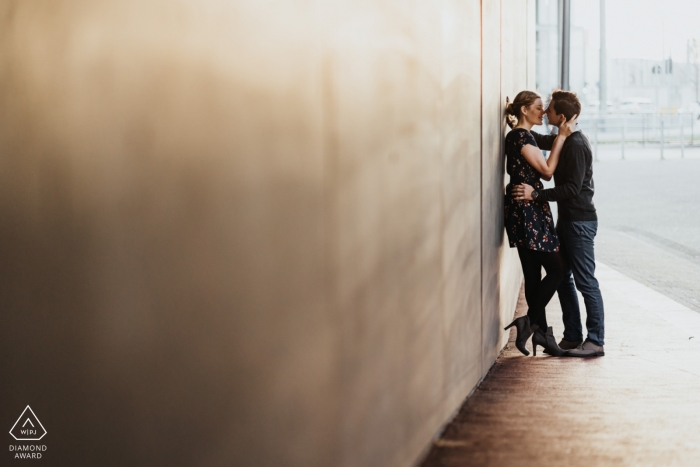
x=252 y=233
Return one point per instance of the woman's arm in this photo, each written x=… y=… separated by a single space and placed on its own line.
x=534 y=157
x=568 y=189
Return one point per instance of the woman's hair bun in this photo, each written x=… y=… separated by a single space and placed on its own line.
x=513 y=109
x=509 y=107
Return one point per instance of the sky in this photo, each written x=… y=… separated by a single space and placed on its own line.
x=641 y=28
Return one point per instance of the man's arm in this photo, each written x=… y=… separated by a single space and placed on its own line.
x=544 y=142
x=572 y=186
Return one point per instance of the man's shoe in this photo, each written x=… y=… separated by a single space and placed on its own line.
x=568 y=345
x=587 y=349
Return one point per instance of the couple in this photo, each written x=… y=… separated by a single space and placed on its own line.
x=566 y=250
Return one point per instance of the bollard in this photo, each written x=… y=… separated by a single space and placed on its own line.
x=662 y=138
x=644 y=130
x=624 y=125
x=595 y=138
x=682 y=149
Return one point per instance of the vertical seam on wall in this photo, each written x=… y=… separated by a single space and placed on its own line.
x=441 y=193
x=330 y=143
x=501 y=129
x=527 y=46
x=501 y=139
x=481 y=179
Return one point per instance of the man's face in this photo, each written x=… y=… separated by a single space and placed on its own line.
x=552 y=116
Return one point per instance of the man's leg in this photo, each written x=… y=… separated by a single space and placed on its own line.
x=581 y=256
x=571 y=312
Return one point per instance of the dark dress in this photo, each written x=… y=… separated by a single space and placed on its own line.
x=529 y=224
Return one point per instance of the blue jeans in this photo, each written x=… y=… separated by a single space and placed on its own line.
x=576 y=239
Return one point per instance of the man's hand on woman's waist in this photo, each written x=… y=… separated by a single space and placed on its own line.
x=523 y=192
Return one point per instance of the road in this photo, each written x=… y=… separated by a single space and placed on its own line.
x=649 y=223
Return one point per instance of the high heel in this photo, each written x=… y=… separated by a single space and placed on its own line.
x=547 y=342
x=522 y=325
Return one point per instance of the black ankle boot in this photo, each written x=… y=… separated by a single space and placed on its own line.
x=547 y=341
x=522 y=325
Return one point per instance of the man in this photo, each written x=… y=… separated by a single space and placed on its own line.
x=577 y=225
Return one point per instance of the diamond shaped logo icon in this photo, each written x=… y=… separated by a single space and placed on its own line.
x=28 y=427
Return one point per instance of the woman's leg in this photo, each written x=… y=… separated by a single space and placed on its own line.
x=532 y=273
x=555 y=266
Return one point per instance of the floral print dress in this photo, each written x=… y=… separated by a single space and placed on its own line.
x=528 y=224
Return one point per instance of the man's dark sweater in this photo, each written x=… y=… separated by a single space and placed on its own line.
x=573 y=178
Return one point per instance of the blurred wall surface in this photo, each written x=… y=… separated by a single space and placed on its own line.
x=252 y=233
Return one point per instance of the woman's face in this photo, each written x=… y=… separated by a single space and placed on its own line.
x=534 y=114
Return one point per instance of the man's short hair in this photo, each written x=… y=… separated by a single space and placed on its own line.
x=566 y=103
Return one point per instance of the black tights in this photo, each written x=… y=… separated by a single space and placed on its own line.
x=538 y=291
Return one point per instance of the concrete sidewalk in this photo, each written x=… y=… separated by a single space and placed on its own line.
x=638 y=405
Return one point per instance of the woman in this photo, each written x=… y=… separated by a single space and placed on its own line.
x=529 y=224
